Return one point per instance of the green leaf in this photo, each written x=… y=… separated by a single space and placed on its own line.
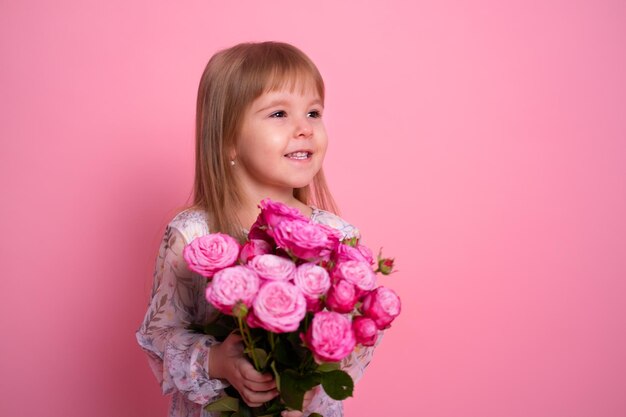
x=337 y=384
x=285 y=355
x=290 y=391
x=315 y=415
x=308 y=381
x=328 y=366
x=226 y=414
x=223 y=404
x=301 y=353
x=275 y=407
x=216 y=329
x=244 y=410
x=293 y=386
x=221 y=327
x=294 y=337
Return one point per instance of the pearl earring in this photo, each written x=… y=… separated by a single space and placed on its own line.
x=232 y=162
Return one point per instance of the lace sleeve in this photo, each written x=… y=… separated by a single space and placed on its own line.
x=177 y=356
x=358 y=360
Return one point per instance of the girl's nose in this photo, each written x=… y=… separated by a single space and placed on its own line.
x=304 y=128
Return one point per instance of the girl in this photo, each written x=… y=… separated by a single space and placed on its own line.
x=259 y=134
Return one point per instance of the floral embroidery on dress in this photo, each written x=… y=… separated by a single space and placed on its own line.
x=179 y=357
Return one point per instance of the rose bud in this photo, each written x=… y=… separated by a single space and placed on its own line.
x=351 y=241
x=385 y=265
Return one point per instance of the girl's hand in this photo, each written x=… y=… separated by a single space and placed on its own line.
x=227 y=361
x=308 y=397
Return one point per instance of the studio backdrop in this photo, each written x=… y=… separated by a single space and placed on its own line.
x=482 y=143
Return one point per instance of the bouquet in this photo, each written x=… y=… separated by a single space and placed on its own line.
x=300 y=297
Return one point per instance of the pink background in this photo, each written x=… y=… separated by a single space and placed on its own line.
x=482 y=143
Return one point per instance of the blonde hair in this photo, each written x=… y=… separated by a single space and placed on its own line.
x=231 y=81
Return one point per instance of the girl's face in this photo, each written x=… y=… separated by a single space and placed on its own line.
x=282 y=142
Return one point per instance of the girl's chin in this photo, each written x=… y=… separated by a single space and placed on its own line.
x=300 y=182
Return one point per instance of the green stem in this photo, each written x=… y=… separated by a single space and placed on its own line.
x=247 y=340
x=272 y=341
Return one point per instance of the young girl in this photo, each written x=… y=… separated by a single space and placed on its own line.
x=259 y=134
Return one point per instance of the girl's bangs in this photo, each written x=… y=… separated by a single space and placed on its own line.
x=299 y=79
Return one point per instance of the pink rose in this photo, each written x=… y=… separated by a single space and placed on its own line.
x=381 y=305
x=232 y=286
x=366 y=252
x=359 y=273
x=306 y=240
x=342 y=297
x=278 y=307
x=254 y=247
x=208 y=254
x=365 y=330
x=258 y=231
x=313 y=281
x=330 y=336
x=273 y=212
x=351 y=253
x=273 y=267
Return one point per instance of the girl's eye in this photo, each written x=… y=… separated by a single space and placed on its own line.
x=315 y=114
x=280 y=113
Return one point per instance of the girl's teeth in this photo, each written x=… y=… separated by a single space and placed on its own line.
x=298 y=155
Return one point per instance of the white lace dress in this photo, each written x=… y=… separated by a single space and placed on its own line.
x=179 y=357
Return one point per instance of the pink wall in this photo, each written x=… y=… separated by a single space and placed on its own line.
x=482 y=143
